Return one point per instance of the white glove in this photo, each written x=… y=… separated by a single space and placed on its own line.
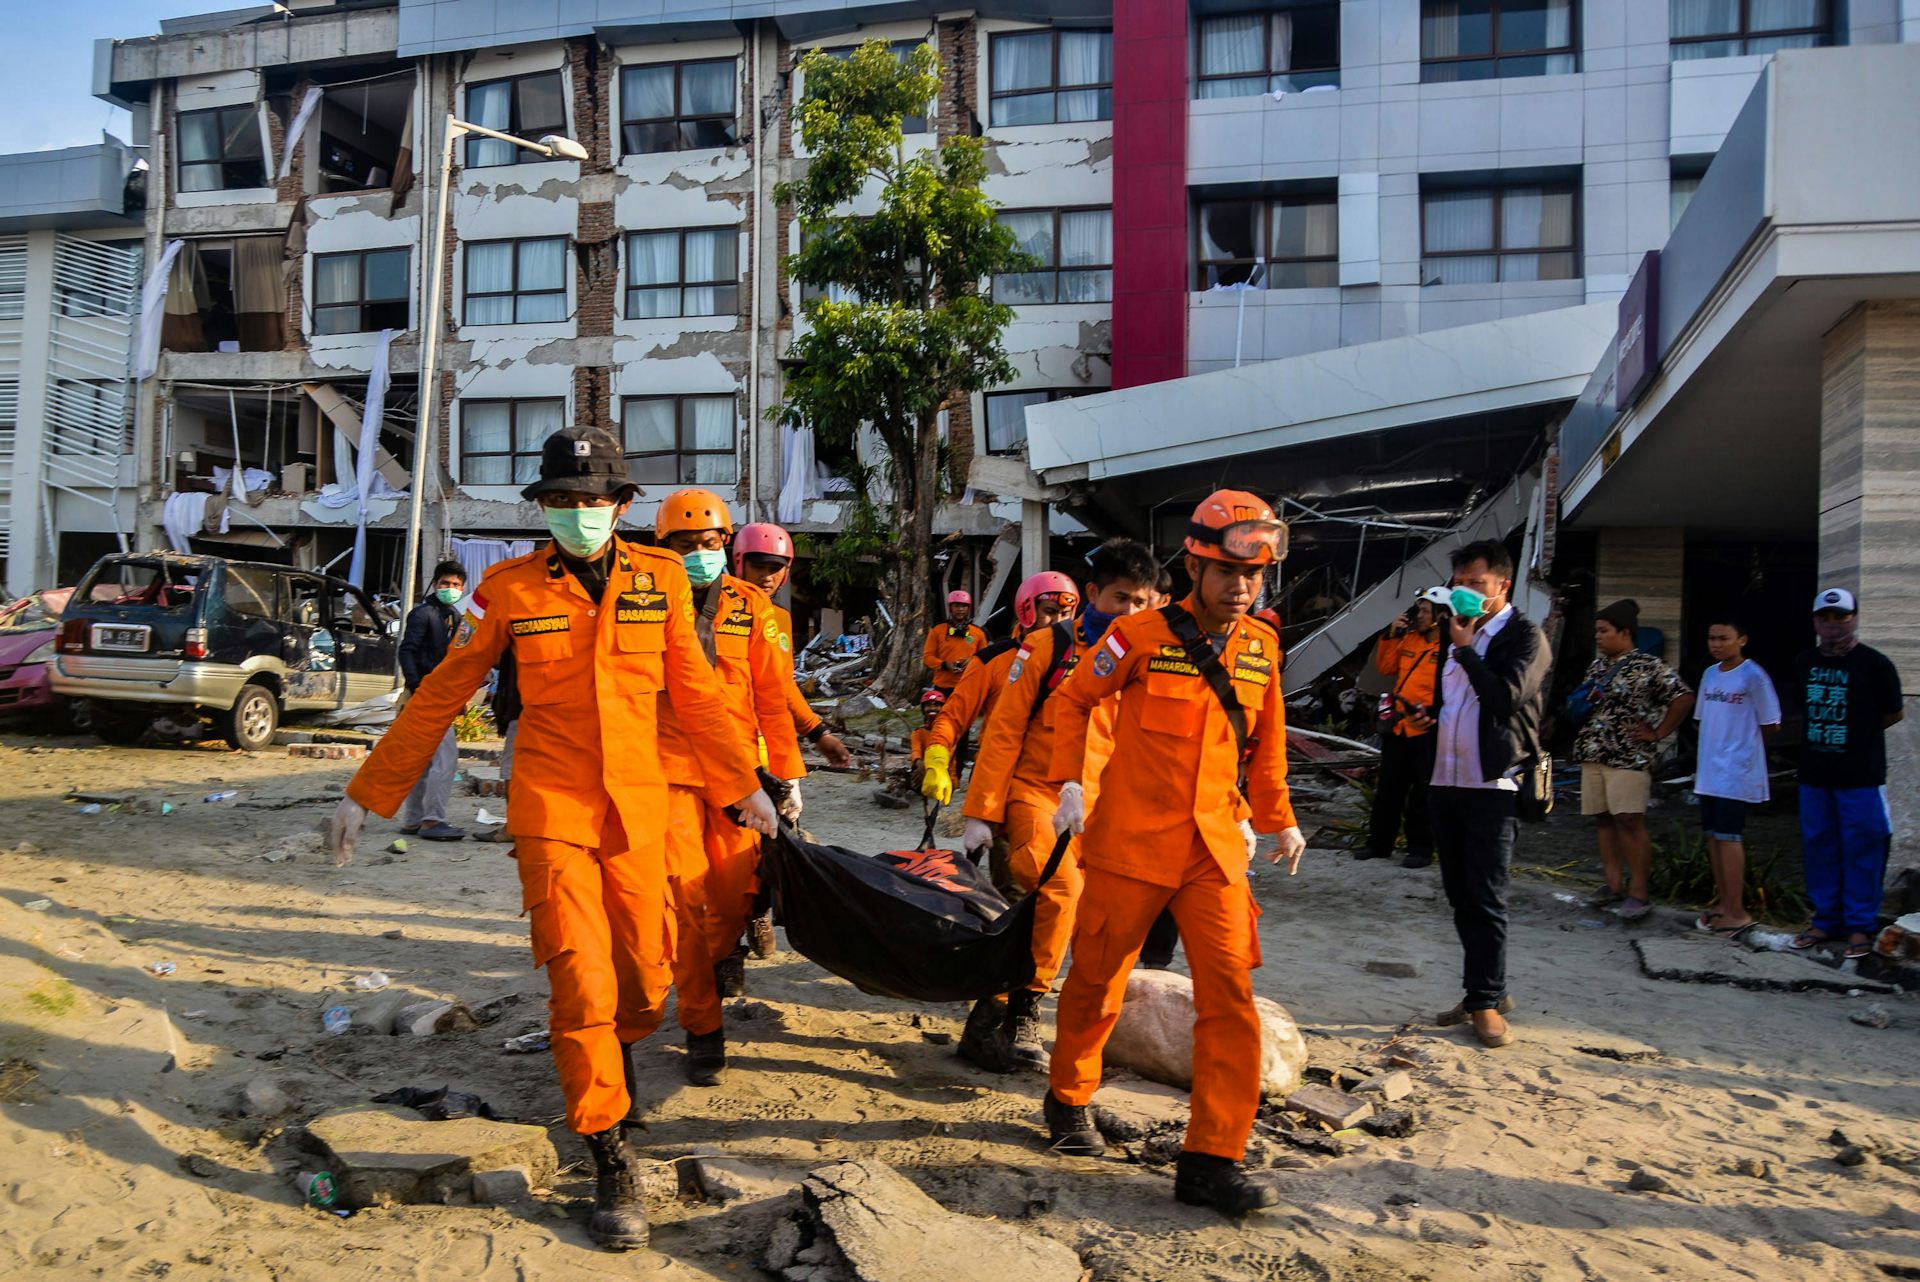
x=349 y=817
x=756 y=812
x=1251 y=837
x=790 y=808
x=1072 y=814
x=978 y=835
x=1293 y=844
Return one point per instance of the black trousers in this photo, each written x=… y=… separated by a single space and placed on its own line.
x=1162 y=938
x=1406 y=763
x=1474 y=830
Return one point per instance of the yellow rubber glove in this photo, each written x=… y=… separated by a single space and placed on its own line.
x=936 y=784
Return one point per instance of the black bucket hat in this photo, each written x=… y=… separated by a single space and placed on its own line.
x=581 y=460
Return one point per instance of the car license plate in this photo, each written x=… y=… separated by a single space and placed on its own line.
x=132 y=639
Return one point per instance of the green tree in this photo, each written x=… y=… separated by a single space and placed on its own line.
x=914 y=329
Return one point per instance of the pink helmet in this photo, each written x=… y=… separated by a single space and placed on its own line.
x=1047 y=583
x=959 y=597
x=760 y=539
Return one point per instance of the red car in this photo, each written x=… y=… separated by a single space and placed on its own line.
x=28 y=629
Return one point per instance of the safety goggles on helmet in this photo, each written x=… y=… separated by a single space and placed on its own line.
x=1244 y=540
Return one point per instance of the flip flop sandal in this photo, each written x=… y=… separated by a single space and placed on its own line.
x=1731 y=932
x=1631 y=909
x=1856 y=951
x=1705 y=922
x=1804 y=940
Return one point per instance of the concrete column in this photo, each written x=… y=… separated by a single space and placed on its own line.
x=1644 y=563
x=1870 y=508
x=1033 y=538
x=30 y=562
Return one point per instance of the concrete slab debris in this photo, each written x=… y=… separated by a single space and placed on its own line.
x=381 y=1154
x=1705 y=960
x=1325 y=1104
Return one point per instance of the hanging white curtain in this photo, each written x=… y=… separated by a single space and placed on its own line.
x=712 y=429
x=370 y=420
x=1022 y=61
x=1283 y=42
x=1233 y=46
x=1086 y=58
x=1532 y=217
x=491 y=105
x=1086 y=240
x=308 y=105
x=533 y=423
x=1703 y=17
x=477 y=556
x=153 y=300
x=709 y=256
x=653 y=259
x=1456 y=220
x=543 y=282
x=485 y=441
x=798 y=479
x=489 y=271
x=1440 y=28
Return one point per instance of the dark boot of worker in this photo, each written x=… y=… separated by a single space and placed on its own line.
x=1071 y=1128
x=760 y=936
x=1018 y=1043
x=983 y=1027
x=707 y=1057
x=619 y=1220
x=730 y=973
x=1201 y=1179
x=633 y=1096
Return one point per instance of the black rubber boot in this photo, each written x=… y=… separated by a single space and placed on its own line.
x=633 y=1099
x=1162 y=938
x=730 y=973
x=1072 y=1129
x=1018 y=1043
x=707 y=1057
x=1201 y=1179
x=983 y=1027
x=619 y=1220
x=760 y=936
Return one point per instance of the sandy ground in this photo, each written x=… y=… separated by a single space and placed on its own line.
x=113 y=1166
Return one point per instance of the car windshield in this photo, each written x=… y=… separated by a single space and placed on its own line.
x=163 y=585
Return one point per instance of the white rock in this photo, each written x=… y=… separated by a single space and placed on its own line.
x=1154 y=1035
x=261 y=1098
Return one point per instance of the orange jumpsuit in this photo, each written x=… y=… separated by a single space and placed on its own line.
x=979 y=688
x=589 y=809
x=946 y=644
x=1166 y=832
x=713 y=862
x=805 y=719
x=1409 y=660
x=1011 y=789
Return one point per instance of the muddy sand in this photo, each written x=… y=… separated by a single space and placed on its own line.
x=122 y=1154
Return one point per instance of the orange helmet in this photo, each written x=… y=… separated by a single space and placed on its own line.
x=1236 y=527
x=692 y=510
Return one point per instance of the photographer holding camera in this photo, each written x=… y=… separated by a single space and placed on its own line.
x=1408 y=653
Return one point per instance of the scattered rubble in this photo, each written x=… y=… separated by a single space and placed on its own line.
x=1394 y=969
x=1698 y=959
x=1325 y=1104
x=1391 y=1087
x=380 y=1154
x=261 y=1097
x=1874 y=1016
x=1154 y=1035
x=1645 y=1181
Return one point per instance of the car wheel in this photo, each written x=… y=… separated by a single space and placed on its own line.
x=118 y=724
x=250 y=723
x=77 y=714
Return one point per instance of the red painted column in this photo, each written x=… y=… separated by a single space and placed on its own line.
x=1149 y=191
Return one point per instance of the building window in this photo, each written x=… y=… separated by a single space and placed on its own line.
x=360 y=293
x=516 y=281
x=1051 y=77
x=680 y=440
x=527 y=107
x=1074 y=248
x=220 y=149
x=1724 y=28
x=677 y=106
x=1473 y=236
x=1007 y=415
x=1292 y=242
x=902 y=49
x=1484 y=39
x=1680 y=192
x=683 y=273
x=500 y=441
x=13 y=281
x=1285 y=50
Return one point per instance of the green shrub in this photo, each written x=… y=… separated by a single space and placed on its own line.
x=1682 y=874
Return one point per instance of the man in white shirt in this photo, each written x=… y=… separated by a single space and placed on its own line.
x=1737 y=710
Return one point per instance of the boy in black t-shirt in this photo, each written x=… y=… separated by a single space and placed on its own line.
x=1852 y=694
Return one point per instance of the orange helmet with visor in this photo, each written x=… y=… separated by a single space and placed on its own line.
x=1237 y=527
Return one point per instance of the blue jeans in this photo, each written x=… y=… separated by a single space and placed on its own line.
x=1845 y=834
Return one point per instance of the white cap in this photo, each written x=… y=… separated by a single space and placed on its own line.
x=1835 y=599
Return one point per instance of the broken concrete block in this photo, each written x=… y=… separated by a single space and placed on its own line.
x=886 y=1229
x=261 y=1098
x=381 y=1153
x=1391 y=1123
x=1324 y=1104
x=1154 y=1035
x=1388 y=1086
x=498 y=1188
x=717 y=1177
x=425 y=1019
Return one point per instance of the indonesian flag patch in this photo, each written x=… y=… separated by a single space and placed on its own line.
x=1117 y=644
x=477 y=605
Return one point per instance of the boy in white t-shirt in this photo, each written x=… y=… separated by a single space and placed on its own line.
x=1737 y=709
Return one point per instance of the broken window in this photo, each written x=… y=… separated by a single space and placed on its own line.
x=1074 y=248
x=511 y=281
x=680 y=440
x=1048 y=77
x=227 y=296
x=500 y=441
x=1290 y=242
x=525 y=106
x=677 y=106
x=366 y=134
x=683 y=273
x=221 y=149
x=360 y=292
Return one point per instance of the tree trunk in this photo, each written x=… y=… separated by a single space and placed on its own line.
x=901 y=675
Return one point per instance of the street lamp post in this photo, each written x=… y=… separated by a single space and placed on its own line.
x=428 y=421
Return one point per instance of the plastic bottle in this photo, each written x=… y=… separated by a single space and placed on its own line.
x=372 y=983
x=336 y=1020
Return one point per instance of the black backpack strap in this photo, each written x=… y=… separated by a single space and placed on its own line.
x=1186 y=629
x=709 y=613
x=1062 y=646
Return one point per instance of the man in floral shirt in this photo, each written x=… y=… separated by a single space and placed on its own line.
x=1637 y=701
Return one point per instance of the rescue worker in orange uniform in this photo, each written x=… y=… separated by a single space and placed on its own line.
x=602 y=634
x=715 y=863
x=1408 y=655
x=950 y=646
x=971 y=701
x=1171 y=828
x=763 y=556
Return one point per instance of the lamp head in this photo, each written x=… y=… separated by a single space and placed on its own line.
x=563 y=148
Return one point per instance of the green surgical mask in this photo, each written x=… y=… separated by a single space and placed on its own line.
x=704 y=565
x=581 y=531
x=448 y=596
